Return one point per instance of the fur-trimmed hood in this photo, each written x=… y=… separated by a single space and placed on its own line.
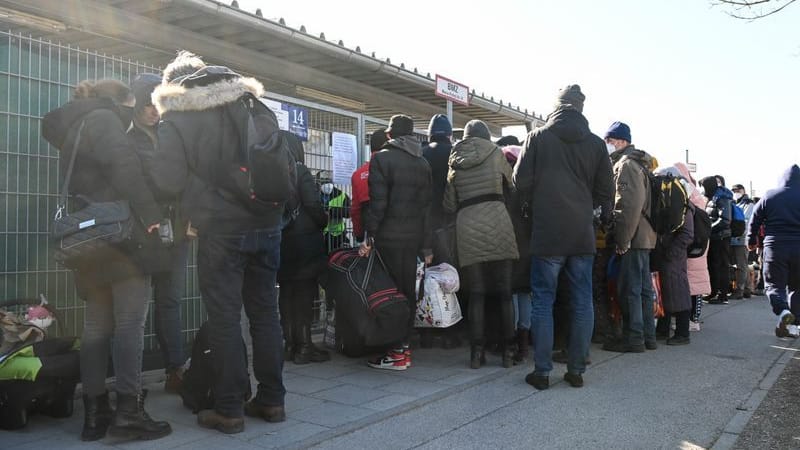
x=175 y=97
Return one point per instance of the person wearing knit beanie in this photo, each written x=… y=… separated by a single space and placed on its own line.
x=571 y=96
x=440 y=126
x=477 y=128
x=619 y=130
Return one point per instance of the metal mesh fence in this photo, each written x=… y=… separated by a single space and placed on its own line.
x=37 y=76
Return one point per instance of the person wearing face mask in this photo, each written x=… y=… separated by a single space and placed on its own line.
x=116 y=285
x=166 y=260
x=634 y=238
x=337 y=205
x=744 y=284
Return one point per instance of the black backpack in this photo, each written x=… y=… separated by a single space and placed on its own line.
x=702 y=233
x=263 y=173
x=264 y=176
x=197 y=389
x=668 y=203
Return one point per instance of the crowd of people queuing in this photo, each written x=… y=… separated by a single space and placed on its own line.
x=537 y=226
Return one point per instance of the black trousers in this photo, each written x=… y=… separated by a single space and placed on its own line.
x=719 y=265
x=681 y=323
x=401 y=263
x=492 y=277
x=296 y=304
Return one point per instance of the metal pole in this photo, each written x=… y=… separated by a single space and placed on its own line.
x=687 y=156
x=450 y=111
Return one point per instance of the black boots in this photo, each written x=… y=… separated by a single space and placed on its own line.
x=130 y=420
x=305 y=351
x=523 y=346
x=96 y=417
x=477 y=356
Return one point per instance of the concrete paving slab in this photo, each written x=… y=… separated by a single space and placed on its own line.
x=388 y=402
x=349 y=394
x=298 y=402
x=289 y=435
x=369 y=378
x=181 y=435
x=331 y=414
x=300 y=384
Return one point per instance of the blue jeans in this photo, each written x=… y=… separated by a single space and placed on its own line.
x=522 y=310
x=169 y=287
x=544 y=282
x=636 y=296
x=782 y=271
x=234 y=270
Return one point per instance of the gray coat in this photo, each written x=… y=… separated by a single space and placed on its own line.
x=483 y=231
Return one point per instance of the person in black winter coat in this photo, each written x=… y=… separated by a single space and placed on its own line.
x=437 y=153
x=565 y=173
x=302 y=260
x=169 y=266
x=204 y=115
x=719 y=210
x=397 y=221
x=115 y=285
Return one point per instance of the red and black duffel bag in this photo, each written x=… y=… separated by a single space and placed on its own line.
x=370 y=311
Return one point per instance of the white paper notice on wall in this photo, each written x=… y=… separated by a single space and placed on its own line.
x=345 y=157
x=281 y=112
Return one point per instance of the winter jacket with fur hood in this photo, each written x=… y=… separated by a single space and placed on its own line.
x=564 y=173
x=196 y=134
x=400 y=196
x=484 y=231
x=632 y=230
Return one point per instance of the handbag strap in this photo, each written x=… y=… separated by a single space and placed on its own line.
x=62 y=196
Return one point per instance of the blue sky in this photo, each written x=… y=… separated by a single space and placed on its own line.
x=681 y=73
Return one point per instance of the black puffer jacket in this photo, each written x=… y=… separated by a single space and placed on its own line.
x=194 y=137
x=106 y=169
x=302 y=244
x=565 y=171
x=400 y=196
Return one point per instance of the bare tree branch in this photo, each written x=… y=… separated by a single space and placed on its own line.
x=756 y=9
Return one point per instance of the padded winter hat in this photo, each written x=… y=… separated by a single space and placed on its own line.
x=440 y=126
x=572 y=95
x=476 y=128
x=143 y=86
x=619 y=130
x=377 y=139
x=400 y=125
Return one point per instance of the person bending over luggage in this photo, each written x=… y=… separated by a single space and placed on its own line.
x=116 y=285
x=397 y=221
x=478 y=175
x=204 y=115
x=302 y=260
x=169 y=256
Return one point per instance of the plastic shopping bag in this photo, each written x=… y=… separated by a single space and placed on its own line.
x=436 y=308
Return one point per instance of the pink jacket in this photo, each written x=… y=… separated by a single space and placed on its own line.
x=699 y=283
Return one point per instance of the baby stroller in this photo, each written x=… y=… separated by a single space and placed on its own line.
x=38 y=373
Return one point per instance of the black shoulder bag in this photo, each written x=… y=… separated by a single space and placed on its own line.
x=91 y=231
